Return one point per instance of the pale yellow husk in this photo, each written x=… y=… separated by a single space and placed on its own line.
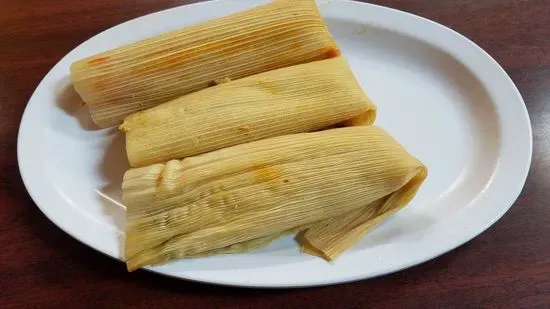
x=242 y=197
x=134 y=77
x=332 y=236
x=301 y=98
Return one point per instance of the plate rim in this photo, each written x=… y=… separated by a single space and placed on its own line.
x=37 y=193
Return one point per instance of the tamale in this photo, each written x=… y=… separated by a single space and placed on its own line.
x=137 y=76
x=301 y=98
x=227 y=200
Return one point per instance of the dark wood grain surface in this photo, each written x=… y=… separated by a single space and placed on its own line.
x=508 y=266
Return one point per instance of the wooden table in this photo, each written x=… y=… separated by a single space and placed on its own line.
x=508 y=266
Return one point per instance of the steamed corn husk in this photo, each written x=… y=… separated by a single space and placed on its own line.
x=330 y=237
x=301 y=98
x=134 y=77
x=242 y=197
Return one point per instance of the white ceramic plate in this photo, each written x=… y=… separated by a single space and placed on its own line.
x=440 y=95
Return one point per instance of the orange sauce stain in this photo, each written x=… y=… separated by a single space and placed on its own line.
x=266 y=173
x=165 y=63
x=158 y=52
x=98 y=60
x=296 y=45
x=244 y=129
x=271 y=89
x=332 y=53
x=99 y=85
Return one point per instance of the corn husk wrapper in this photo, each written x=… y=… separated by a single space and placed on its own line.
x=239 y=198
x=301 y=98
x=138 y=76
